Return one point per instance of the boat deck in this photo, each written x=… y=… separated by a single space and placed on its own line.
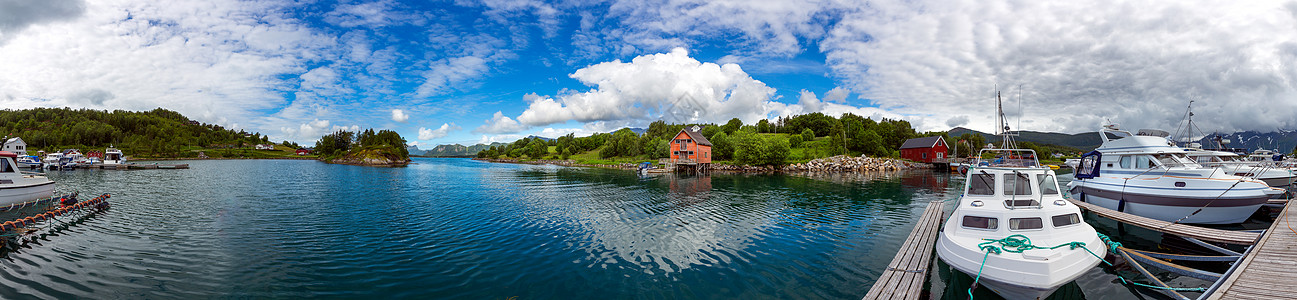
x=905 y=275
x=1184 y=230
x=1266 y=271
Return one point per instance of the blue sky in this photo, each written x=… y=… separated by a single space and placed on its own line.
x=442 y=72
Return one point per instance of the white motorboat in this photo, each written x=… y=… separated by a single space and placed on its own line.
x=1230 y=162
x=53 y=160
x=72 y=158
x=16 y=187
x=1147 y=175
x=29 y=161
x=113 y=157
x=1015 y=197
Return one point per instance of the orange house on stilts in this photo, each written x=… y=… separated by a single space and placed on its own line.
x=690 y=150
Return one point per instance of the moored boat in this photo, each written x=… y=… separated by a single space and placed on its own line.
x=1010 y=202
x=1145 y=174
x=113 y=156
x=16 y=187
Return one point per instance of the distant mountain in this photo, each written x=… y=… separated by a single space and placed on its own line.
x=538 y=137
x=1282 y=141
x=1085 y=141
x=457 y=150
x=414 y=151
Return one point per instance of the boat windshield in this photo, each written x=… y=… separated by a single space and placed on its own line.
x=1178 y=160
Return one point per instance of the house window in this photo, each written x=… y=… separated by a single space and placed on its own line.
x=925 y=156
x=682 y=144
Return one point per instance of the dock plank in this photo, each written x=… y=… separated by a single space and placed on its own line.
x=906 y=273
x=1184 y=230
x=1266 y=271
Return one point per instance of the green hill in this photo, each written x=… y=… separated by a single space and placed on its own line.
x=158 y=133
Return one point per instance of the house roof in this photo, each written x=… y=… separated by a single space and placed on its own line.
x=923 y=142
x=695 y=132
x=13 y=139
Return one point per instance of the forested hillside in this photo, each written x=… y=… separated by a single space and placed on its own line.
x=155 y=133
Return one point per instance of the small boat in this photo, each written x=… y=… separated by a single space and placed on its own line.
x=1145 y=174
x=1014 y=199
x=16 y=187
x=72 y=158
x=30 y=162
x=53 y=160
x=113 y=157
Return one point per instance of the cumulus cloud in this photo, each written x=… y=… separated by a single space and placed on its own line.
x=399 y=116
x=17 y=15
x=1138 y=63
x=957 y=121
x=837 y=94
x=432 y=134
x=669 y=85
x=500 y=124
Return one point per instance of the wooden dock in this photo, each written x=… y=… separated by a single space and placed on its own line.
x=905 y=275
x=1266 y=272
x=1183 y=230
x=140 y=166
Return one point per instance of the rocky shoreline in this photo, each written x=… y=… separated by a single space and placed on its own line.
x=840 y=163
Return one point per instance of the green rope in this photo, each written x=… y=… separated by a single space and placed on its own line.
x=1018 y=243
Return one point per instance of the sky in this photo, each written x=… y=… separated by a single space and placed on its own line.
x=468 y=72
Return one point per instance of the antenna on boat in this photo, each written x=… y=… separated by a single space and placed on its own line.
x=1188 y=128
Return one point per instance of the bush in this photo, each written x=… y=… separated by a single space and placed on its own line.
x=795 y=141
x=808 y=135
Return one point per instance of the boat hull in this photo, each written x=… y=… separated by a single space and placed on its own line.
x=25 y=191
x=1174 y=208
x=1014 y=277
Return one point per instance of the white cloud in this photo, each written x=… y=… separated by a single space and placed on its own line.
x=669 y=85
x=1138 y=63
x=808 y=101
x=399 y=116
x=15 y=16
x=500 y=124
x=446 y=72
x=440 y=132
x=837 y=94
x=501 y=138
x=313 y=130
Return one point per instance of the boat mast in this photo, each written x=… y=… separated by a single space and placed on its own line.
x=1002 y=129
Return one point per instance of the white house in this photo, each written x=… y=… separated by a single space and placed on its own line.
x=16 y=145
x=265 y=147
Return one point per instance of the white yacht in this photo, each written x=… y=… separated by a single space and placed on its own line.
x=113 y=157
x=16 y=187
x=1014 y=196
x=1145 y=174
x=1232 y=163
x=53 y=160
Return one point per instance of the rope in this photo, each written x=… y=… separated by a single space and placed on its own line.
x=1018 y=243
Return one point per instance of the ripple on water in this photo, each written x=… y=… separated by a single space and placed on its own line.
x=454 y=228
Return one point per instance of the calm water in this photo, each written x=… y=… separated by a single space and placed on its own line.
x=456 y=228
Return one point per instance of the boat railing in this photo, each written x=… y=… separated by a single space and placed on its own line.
x=1022 y=158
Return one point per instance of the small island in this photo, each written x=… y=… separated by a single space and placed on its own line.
x=384 y=148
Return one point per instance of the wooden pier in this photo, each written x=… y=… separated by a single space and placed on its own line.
x=1266 y=272
x=139 y=166
x=905 y=275
x=1183 y=230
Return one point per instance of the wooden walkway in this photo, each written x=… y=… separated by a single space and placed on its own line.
x=905 y=275
x=1183 y=230
x=1267 y=270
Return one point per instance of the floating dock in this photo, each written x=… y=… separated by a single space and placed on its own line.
x=140 y=166
x=1183 y=230
x=1266 y=272
x=905 y=275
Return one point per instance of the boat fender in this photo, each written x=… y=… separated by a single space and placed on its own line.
x=68 y=201
x=1121 y=204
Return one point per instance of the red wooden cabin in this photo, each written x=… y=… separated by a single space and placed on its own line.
x=924 y=149
x=691 y=148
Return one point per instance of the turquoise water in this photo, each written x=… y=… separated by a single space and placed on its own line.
x=462 y=229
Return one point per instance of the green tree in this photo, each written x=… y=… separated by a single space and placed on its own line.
x=722 y=148
x=732 y=126
x=777 y=151
x=537 y=148
x=795 y=141
x=808 y=135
